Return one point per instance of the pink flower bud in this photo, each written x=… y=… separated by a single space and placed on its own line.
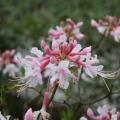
x=90 y=112
x=43 y=44
x=118 y=115
x=79 y=24
x=94 y=23
x=91 y=115
x=44 y=64
x=53 y=60
x=70 y=22
x=29 y=115
x=55 y=44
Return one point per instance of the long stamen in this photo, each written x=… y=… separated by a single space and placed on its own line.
x=106 y=84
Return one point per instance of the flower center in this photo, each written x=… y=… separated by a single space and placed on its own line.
x=62 y=56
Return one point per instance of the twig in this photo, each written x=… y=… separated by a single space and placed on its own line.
x=99 y=99
x=53 y=93
x=100 y=43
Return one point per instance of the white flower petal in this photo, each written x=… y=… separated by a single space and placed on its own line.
x=64 y=64
x=63 y=84
x=83 y=118
x=36 y=52
x=76 y=49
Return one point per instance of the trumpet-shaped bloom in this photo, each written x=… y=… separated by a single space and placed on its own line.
x=101 y=28
x=74 y=29
x=63 y=74
x=56 y=33
x=32 y=76
x=91 y=68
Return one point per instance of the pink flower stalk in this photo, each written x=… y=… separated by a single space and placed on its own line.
x=29 y=115
x=43 y=112
x=45 y=100
x=108 y=26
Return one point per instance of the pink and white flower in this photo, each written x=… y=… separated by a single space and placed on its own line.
x=62 y=74
x=108 y=26
x=11 y=70
x=116 y=33
x=56 y=33
x=71 y=29
x=32 y=76
x=101 y=28
x=103 y=114
x=63 y=53
x=92 y=68
x=8 y=65
x=75 y=29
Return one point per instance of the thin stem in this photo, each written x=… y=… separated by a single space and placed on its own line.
x=80 y=79
x=53 y=93
x=97 y=100
x=100 y=43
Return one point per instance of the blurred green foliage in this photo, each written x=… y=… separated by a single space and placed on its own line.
x=23 y=22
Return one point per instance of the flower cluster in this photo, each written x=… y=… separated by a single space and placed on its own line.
x=103 y=114
x=58 y=58
x=108 y=26
x=8 y=64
